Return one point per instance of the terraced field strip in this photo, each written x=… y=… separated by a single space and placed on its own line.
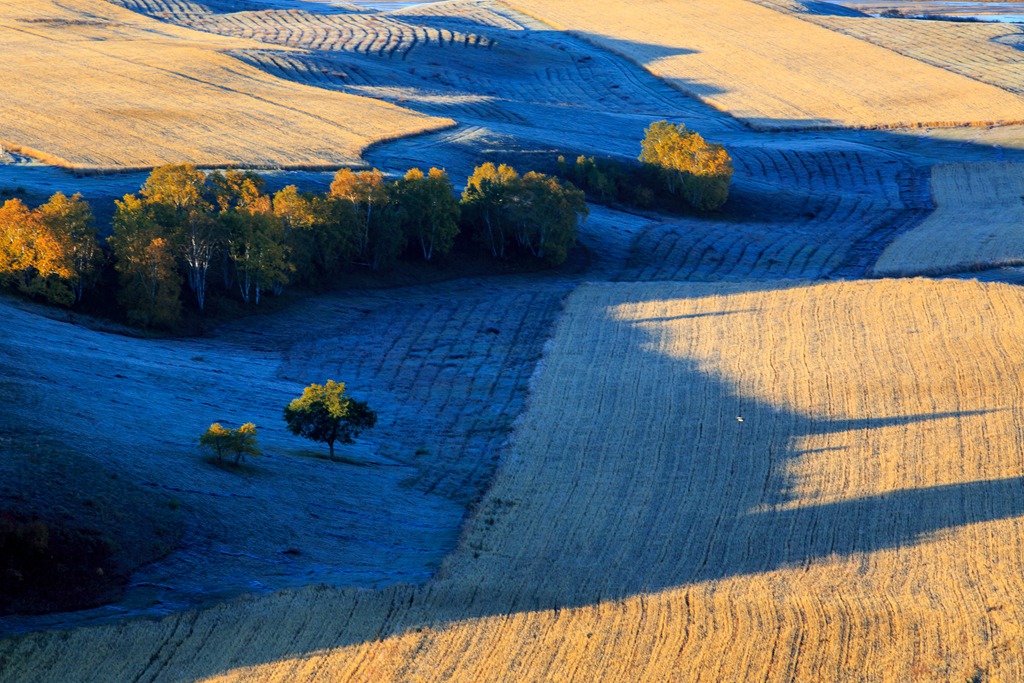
x=99 y=87
x=767 y=482
x=783 y=74
x=984 y=51
x=977 y=223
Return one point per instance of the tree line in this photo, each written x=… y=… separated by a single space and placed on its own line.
x=187 y=232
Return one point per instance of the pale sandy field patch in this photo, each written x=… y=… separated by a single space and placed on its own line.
x=785 y=73
x=976 y=224
x=99 y=87
x=718 y=482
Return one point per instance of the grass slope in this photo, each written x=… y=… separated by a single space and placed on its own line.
x=786 y=74
x=863 y=521
x=99 y=87
x=976 y=225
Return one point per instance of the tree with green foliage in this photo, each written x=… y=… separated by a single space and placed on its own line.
x=367 y=191
x=486 y=200
x=697 y=170
x=240 y=442
x=325 y=414
x=255 y=239
x=548 y=215
x=431 y=210
x=150 y=287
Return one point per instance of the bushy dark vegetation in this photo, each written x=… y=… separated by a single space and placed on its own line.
x=188 y=234
x=71 y=530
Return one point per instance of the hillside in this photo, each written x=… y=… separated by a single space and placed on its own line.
x=789 y=482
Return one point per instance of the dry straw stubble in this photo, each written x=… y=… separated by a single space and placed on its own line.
x=976 y=224
x=786 y=73
x=98 y=87
x=863 y=521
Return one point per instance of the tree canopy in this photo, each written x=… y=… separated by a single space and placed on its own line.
x=696 y=169
x=535 y=212
x=325 y=414
x=239 y=442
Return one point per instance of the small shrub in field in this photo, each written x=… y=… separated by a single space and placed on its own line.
x=225 y=442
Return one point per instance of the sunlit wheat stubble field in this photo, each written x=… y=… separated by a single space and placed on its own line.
x=787 y=481
x=766 y=479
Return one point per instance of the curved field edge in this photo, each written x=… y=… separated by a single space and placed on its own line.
x=102 y=88
x=770 y=481
x=976 y=224
x=786 y=79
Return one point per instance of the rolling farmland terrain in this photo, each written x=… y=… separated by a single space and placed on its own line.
x=741 y=445
x=142 y=93
x=792 y=501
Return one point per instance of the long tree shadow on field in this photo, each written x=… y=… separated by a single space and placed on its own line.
x=592 y=509
x=733 y=506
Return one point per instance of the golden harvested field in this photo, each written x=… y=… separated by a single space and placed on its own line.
x=976 y=224
x=100 y=87
x=987 y=52
x=786 y=73
x=769 y=482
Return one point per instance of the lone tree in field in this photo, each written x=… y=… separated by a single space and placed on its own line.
x=326 y=414
x=697 y=170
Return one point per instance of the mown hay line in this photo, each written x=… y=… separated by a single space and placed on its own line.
x=976 y=224
x=863 y=521
x=98 y=87
x=783 y=74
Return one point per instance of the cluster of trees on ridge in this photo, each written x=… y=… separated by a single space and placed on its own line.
x=223 y=231
x=678 y=167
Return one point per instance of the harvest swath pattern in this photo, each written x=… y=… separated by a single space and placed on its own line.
x=451 y=363
x=977 y=223
x=785 y=79
x=366 y=33
x=446 y=366
x=864 y=520
x=814 y=213
x=133 y=92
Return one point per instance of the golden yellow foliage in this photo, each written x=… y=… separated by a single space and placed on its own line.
x=716 y=482
x=94 y=86
x=776 y=71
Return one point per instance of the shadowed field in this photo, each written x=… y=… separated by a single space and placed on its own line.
x=976 y=224
x=817 y=482
x=98 y=87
